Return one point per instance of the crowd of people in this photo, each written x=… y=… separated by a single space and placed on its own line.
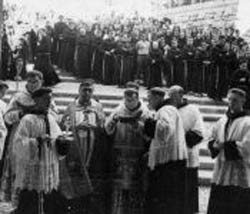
x=139 y=159
x=116 y=49
x=143 y=158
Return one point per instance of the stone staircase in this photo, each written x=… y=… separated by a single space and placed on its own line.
x=111 y=96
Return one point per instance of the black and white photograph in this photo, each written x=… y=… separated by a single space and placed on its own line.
x=125 y=107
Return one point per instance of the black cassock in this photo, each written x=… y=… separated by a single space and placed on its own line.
x=125 y=65
x=33 y=43
x=221 y=71
x=232 y=64
x=83 y=58
x=57 y=42
x=6 y=57
x=155 y=71
x=202 y=70
x=96 y=59
x=177 y=68
x=66 y=57
x=109 y=62
x=189 y=67
x=43 y=62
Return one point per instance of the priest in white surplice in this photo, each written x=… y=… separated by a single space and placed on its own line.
x=194 y=132
x=37 y=160
x=230 y=145
x=167 y=158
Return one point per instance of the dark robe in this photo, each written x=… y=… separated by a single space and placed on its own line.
x=57 y=42
x=232 y=64
x=97 y=59
x=189 y=67
x=83 y=57
x=66 y=57
x=202 y=71
x=213 y=74
x=33 y=43
x=43 y=62
x=6 y=57
x=155 y=69
x=126 y=70
x=177 y=68
x=109 y=62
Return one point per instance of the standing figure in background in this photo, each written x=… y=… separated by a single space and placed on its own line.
x=82 y=54
x=58 y=40
x=68 y=48
x=33 y=43
x=155 y=67
x=175 y=56
x=127 y=65
x=6 y=57
x=43 y=61
x=142 y=48
x=189 y=64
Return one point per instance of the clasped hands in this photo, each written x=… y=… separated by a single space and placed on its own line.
x=86 y=125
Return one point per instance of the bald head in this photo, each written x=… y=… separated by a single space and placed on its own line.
x=176 y=93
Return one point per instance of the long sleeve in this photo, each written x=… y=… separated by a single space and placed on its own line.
x=12 y=114
x=243 y=146
x=3 y=134
x=110 y=125
x=195 y=135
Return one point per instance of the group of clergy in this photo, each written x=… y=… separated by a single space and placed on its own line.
x=140 y=159
x=150 y=51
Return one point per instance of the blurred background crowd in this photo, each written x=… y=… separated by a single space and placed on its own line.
x=114 y=49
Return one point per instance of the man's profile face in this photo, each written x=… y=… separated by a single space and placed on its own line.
x=153 y=100
x=34 y=83
x=235 y=102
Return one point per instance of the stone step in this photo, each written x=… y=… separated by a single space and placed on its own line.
x=110 y=104
x=212 y=109
x=206 y=163
x=204 y=152
x=205 y=177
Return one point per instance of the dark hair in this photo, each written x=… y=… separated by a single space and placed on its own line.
x=40 y=92
x=87 y=83
x=157 y=91
x=132 y=85
x=240 y=90
x=33 y=74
